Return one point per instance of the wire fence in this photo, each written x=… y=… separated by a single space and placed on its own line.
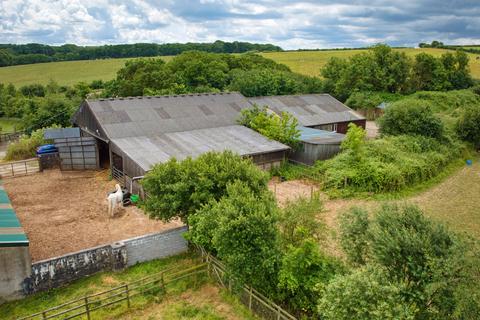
x=86 y=307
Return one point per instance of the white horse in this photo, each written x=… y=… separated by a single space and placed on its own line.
x=114 y=199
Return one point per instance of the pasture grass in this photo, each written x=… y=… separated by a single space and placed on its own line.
x=100 y=282
x=71 y=72
x=311 y=62
x=64 y=72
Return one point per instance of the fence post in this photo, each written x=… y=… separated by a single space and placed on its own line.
x=44 y=315
x=250 y=299
x=13 y=172
x=163 y=284
x=26 y=168
x=128 y=295
x=87 y=308
x=278 y=312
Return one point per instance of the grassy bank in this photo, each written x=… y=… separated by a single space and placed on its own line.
x=145 y=305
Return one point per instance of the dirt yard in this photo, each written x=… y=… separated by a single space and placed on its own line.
x=63 y=212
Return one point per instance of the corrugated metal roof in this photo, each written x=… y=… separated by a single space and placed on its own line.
x=316 y=136
x=149 y=150
x=61 y=133
x=145 y=116
x=11 y=232
x=310 y=109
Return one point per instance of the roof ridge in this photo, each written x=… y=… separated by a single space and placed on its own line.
x=200 y=94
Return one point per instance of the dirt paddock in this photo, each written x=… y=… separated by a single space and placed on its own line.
x=65 y=211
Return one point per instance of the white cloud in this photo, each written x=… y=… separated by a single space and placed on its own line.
x=290 y=24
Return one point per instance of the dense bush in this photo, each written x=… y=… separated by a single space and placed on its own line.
x=388 y=164
x=282 y=128
x=431 y=266
x=365 y=294
x=361 y=100
x=411 y=117
x=303 y=274
x=196 y=71
x=241 y=229
x=384 y=70
x=179 y=188
x=468 y=125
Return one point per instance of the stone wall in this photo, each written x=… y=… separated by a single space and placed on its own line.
x=58 y=271
x=55 y=272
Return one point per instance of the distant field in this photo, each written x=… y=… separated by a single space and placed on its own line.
x=65 y=72
x=310 y=62
x=71 y=72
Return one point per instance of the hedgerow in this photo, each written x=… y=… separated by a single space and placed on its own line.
x=388 y=164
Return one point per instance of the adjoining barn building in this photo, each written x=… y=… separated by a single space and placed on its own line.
x=135 y=133
x=323 y=122
x=318 y=111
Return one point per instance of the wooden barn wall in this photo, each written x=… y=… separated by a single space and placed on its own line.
x=130 y=167
x=342 y=127
x=84 y=118
x=308 y=153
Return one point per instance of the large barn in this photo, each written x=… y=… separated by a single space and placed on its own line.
x=135 y=133
x=318 y=111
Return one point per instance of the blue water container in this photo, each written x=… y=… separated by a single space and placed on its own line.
x=469 y=162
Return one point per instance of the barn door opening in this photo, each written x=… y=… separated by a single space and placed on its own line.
x=117 y=168
x=103 y=154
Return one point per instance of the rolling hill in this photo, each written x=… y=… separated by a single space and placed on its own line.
x=71 y=72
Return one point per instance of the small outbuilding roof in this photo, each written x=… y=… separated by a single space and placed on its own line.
x=310 y=109
x=11 y=232
x=315 y=136
x=147 y=116
x=149 y=150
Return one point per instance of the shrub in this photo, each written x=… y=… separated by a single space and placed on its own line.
x=179 y=188
x=25 y=147
x=365 y=294
x=241 y=228
x=410 y=117
x=354 y=225
x=468 y=125
x=303 y=274
x=282 y=128
x=298 y=221
x=388 y=164
x=431 y=266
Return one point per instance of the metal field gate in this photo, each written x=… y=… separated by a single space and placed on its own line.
x=78 y=153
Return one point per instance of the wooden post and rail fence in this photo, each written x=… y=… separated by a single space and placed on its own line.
x=19 y=168
x=157 y=284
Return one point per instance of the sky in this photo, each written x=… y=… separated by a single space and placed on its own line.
x=289 y=24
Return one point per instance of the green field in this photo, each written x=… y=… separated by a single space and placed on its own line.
x=310 y=62
x=71 y=72
x=64 y=73
x=9 y=125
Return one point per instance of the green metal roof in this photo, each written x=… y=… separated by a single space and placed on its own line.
x=11 y=231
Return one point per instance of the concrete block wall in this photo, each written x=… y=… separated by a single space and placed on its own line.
x=155 y=246
x=14 y=267
x=58 y=271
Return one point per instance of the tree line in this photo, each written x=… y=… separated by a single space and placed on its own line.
x=15 y=54
x=383 y=70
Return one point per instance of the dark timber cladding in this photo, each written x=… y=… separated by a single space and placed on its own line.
x=143 y=131
x=320 y=111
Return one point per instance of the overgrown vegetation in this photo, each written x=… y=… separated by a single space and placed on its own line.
x=409 y=268
x=282 y=128
x=26 y=146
